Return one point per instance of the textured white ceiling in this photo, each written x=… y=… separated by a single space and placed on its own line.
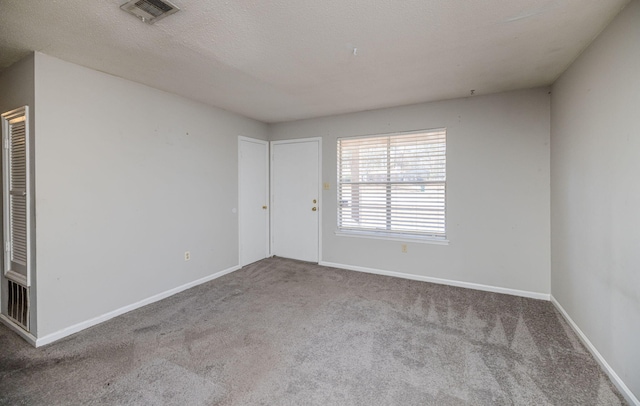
x=284 y=60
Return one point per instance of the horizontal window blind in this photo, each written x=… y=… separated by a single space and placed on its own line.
x=393 y=184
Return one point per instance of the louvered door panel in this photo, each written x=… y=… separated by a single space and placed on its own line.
x=19 y=230
x=16 y=197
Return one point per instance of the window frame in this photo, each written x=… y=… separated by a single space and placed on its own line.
x=422 y=236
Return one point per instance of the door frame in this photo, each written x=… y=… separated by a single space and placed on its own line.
x=267 y=174
x=320 y=200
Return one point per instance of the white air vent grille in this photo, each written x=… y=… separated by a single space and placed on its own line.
x=149 y=11
x=18 y=304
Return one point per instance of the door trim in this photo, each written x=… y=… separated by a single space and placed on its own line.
x=267 y=175
x=320 y=200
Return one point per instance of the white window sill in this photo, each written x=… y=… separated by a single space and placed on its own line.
x=388 y=237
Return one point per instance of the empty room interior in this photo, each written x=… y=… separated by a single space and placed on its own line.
x=212 y=202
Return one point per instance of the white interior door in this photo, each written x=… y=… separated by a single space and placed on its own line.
x=295 y=199
x=253 y=198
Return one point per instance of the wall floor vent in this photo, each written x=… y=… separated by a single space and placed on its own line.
x=149 y=11
x=18 y=304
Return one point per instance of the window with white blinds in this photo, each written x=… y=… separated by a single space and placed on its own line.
x=393 y=185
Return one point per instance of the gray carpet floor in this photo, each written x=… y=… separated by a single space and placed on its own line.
x=283 y=332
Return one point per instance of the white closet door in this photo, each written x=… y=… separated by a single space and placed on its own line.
x=17 y=210
x=253 y=191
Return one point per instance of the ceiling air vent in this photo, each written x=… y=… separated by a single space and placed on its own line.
x=149 y=11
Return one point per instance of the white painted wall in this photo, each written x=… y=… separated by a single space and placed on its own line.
x=595 y=194
x=17 y=85
x=128 y=179
x=16 y=90
x=497 y=189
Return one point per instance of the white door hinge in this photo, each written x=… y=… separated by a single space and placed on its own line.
x=7 y=246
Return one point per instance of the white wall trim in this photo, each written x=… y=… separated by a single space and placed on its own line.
x=421 y=278
x=21 y=332
x=624 y=389
x=391 y=237
x=49 y=338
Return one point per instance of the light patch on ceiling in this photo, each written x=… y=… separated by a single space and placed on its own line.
x=532 y=13
x=150 y=11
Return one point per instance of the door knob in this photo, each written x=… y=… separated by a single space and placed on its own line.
x=314 y=201
x=264 y=207
x=314 y=209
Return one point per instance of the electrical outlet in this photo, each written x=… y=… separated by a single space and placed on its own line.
x=187 y=255
x=404 y=248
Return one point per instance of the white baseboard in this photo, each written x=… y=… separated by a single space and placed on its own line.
x=468 y=285
x=49 y=338
x=22 y=333
x=624 y=389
